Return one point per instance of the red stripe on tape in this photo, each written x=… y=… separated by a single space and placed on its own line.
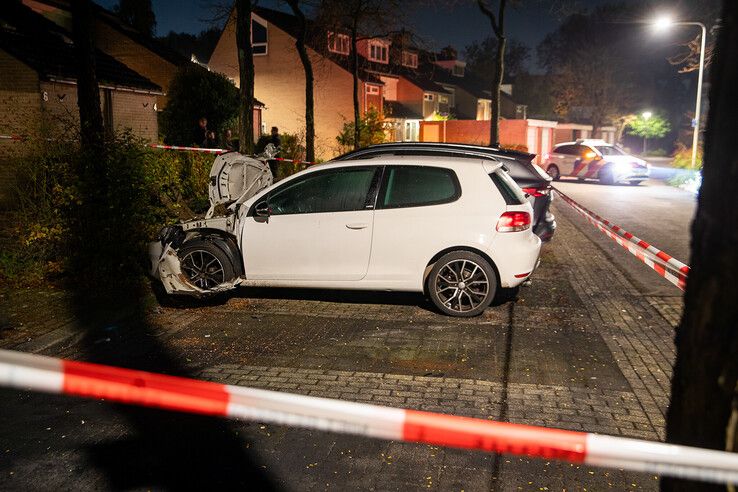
x=499 y=437
x=144 y=388
x=663 y=256
x=659 y=269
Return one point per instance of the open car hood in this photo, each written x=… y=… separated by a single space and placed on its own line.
x=236 y=177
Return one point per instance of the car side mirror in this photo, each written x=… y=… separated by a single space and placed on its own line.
x=263 y=211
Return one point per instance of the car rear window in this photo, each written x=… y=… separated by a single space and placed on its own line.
x=416 y=186
x=507 y=188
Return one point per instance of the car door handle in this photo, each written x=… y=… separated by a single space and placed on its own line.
x=357 y=225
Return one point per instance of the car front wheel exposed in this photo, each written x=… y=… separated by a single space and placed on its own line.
x=205 y=264
x=462 y=284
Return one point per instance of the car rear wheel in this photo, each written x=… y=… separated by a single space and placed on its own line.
x=462 y=284
x=205 y=264
x=553 y=171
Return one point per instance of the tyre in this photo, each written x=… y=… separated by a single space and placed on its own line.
x=606 y=176
x=462 y=284
x=635 y=182
x=206 y=263
x=554 y=172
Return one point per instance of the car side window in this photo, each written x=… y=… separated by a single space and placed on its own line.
x=335 y=190
x=564 y=149
x=417 y=186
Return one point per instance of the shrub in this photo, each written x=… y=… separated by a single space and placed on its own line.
x=683 y=157
x=195 y=92
x=91 y=213
x=371 y=131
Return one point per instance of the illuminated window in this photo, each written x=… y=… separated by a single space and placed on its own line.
x=339 y=43
x=378 y=52
x=410 y=59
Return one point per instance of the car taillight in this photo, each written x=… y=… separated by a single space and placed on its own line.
x=534 y=192
x=513 y=222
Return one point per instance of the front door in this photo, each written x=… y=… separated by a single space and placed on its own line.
x=320 y=228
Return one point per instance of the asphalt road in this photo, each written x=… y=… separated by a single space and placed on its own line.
x=654 y=211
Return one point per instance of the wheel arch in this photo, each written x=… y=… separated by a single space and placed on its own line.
x=224 y=240
x=470 y=249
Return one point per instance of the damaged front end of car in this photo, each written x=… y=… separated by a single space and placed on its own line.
x=234 y=178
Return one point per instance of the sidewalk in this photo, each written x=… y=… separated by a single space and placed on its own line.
x=580 y=349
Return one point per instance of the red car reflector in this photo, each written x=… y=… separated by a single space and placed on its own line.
x=522 y=275
x=513 y=222
x=535 y=192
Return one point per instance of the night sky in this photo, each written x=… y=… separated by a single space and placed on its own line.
x=457 y=23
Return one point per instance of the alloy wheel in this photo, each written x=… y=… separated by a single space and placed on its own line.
x=461 y=285
x=203 y=269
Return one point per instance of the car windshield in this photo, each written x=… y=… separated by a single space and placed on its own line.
x=609 y=150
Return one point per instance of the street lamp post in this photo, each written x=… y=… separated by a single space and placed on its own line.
x=663 y=23
x=646 y=116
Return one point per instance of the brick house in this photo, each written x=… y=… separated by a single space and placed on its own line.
x=142 y=54
x=280 y=80
x=38 y=93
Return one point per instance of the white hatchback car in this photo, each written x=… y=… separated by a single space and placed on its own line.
x=595 y=159
x=455 y=228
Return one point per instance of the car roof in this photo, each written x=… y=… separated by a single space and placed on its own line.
x=390 y=146
x=518 y=164
x=406 y=160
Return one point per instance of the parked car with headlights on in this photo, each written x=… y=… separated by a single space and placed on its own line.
x=595 y=159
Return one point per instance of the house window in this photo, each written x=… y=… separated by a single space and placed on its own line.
x=378 y=52
x=372 y=90
x=338 y=43
x=259 y=37
x=443 y=99
x=410 y=59
x=458 y=70
x=428 y=97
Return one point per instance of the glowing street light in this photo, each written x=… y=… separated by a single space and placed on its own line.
x=663 y=23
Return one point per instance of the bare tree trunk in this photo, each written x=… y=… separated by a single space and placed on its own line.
x=494 y=127
x=309 y=81
x=498 y=27
x=704 y=405
x=246 y=76
x=88 y=90
x=355 y=75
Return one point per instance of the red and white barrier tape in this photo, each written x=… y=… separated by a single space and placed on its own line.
x=664 y=264
x=12 y=137
x=189 y=149
x=39 y=373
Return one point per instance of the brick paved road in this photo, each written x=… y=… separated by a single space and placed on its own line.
x=581 y=348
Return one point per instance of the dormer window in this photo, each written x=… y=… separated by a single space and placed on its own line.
x=338 y=43
x=458 y=70
x=409 y=59
x=378 y=52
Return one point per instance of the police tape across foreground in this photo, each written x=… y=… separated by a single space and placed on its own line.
x=50 y=375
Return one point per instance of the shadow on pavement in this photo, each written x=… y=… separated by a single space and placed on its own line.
x=158 y=449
